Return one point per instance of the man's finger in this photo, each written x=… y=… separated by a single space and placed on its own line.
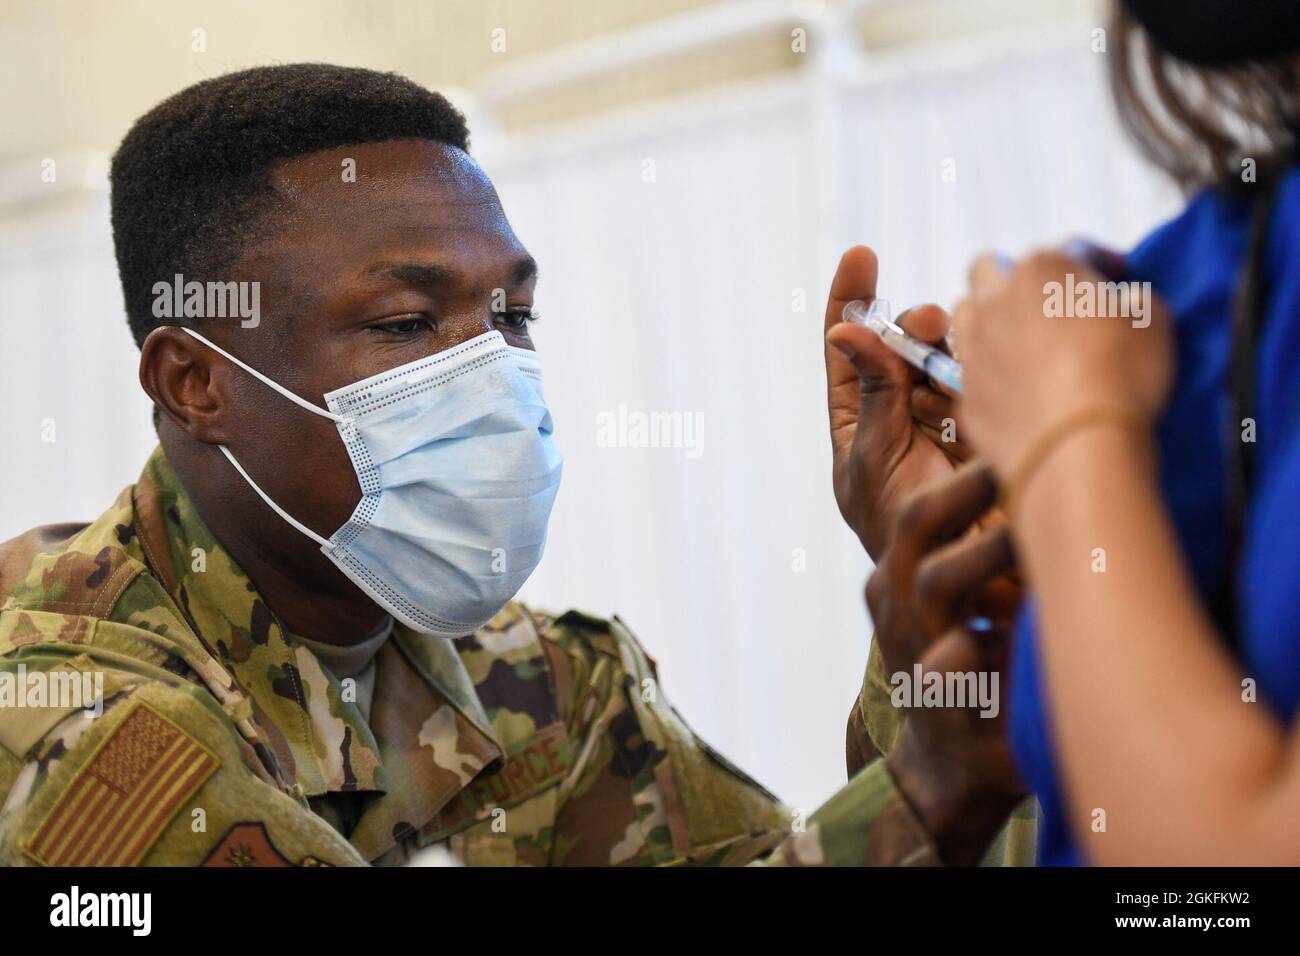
x=937 y=418
x=877 y=410
x=872 y=359
x=949 y=577
x=929 y=323
x=880 y=371
x=944 y=509
x=932 y=409
x=854 y=279
x=859 y=369
x=937 y=514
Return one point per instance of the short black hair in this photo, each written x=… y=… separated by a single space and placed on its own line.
x=191 y=180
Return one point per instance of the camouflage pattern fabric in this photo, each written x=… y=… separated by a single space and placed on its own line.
x=873 y=727
x=538 y=740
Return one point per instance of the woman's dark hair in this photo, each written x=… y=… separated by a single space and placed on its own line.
x=1200 y=124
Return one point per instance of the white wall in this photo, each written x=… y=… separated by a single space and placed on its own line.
x=675 y=295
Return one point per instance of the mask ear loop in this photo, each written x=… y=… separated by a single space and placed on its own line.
x=323 y=542
x=297 y=400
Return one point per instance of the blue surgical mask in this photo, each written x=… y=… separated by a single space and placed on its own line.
x=458 y=472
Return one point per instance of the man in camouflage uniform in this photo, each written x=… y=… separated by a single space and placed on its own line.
x=226 y=739
x=535 y=740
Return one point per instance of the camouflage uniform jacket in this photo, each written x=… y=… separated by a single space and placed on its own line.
x=536 y=740
x=872 y=730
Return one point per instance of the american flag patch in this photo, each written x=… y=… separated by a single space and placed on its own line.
x=118 y=804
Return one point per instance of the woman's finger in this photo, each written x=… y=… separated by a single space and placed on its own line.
x=989 y=273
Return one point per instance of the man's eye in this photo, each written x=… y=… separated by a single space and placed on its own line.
x=405 y=325
x=517 y=320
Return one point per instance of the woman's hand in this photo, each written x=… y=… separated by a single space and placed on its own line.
x=890 y=430
x=937 y=575
x=1050 y=337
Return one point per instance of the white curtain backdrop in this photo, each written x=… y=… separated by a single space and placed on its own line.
x=687 y=294
x=75 y=427
x=685 y=252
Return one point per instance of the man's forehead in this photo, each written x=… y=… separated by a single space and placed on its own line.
x=388 y=174
x=417 y=213
x=407 y=196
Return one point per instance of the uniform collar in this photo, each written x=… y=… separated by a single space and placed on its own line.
x=320 y=738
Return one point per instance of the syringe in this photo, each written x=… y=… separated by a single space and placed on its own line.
x=943 y=368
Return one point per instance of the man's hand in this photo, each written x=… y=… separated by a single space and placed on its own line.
x=888 y=423
x=936 y=578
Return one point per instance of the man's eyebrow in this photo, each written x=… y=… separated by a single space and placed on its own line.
x=428 y=273
x=411 y=273
x=524 y=269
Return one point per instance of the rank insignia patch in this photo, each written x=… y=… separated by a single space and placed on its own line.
x=120 y=801
x=248 y=844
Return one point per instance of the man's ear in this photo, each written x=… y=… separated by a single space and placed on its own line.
x=187 y=382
